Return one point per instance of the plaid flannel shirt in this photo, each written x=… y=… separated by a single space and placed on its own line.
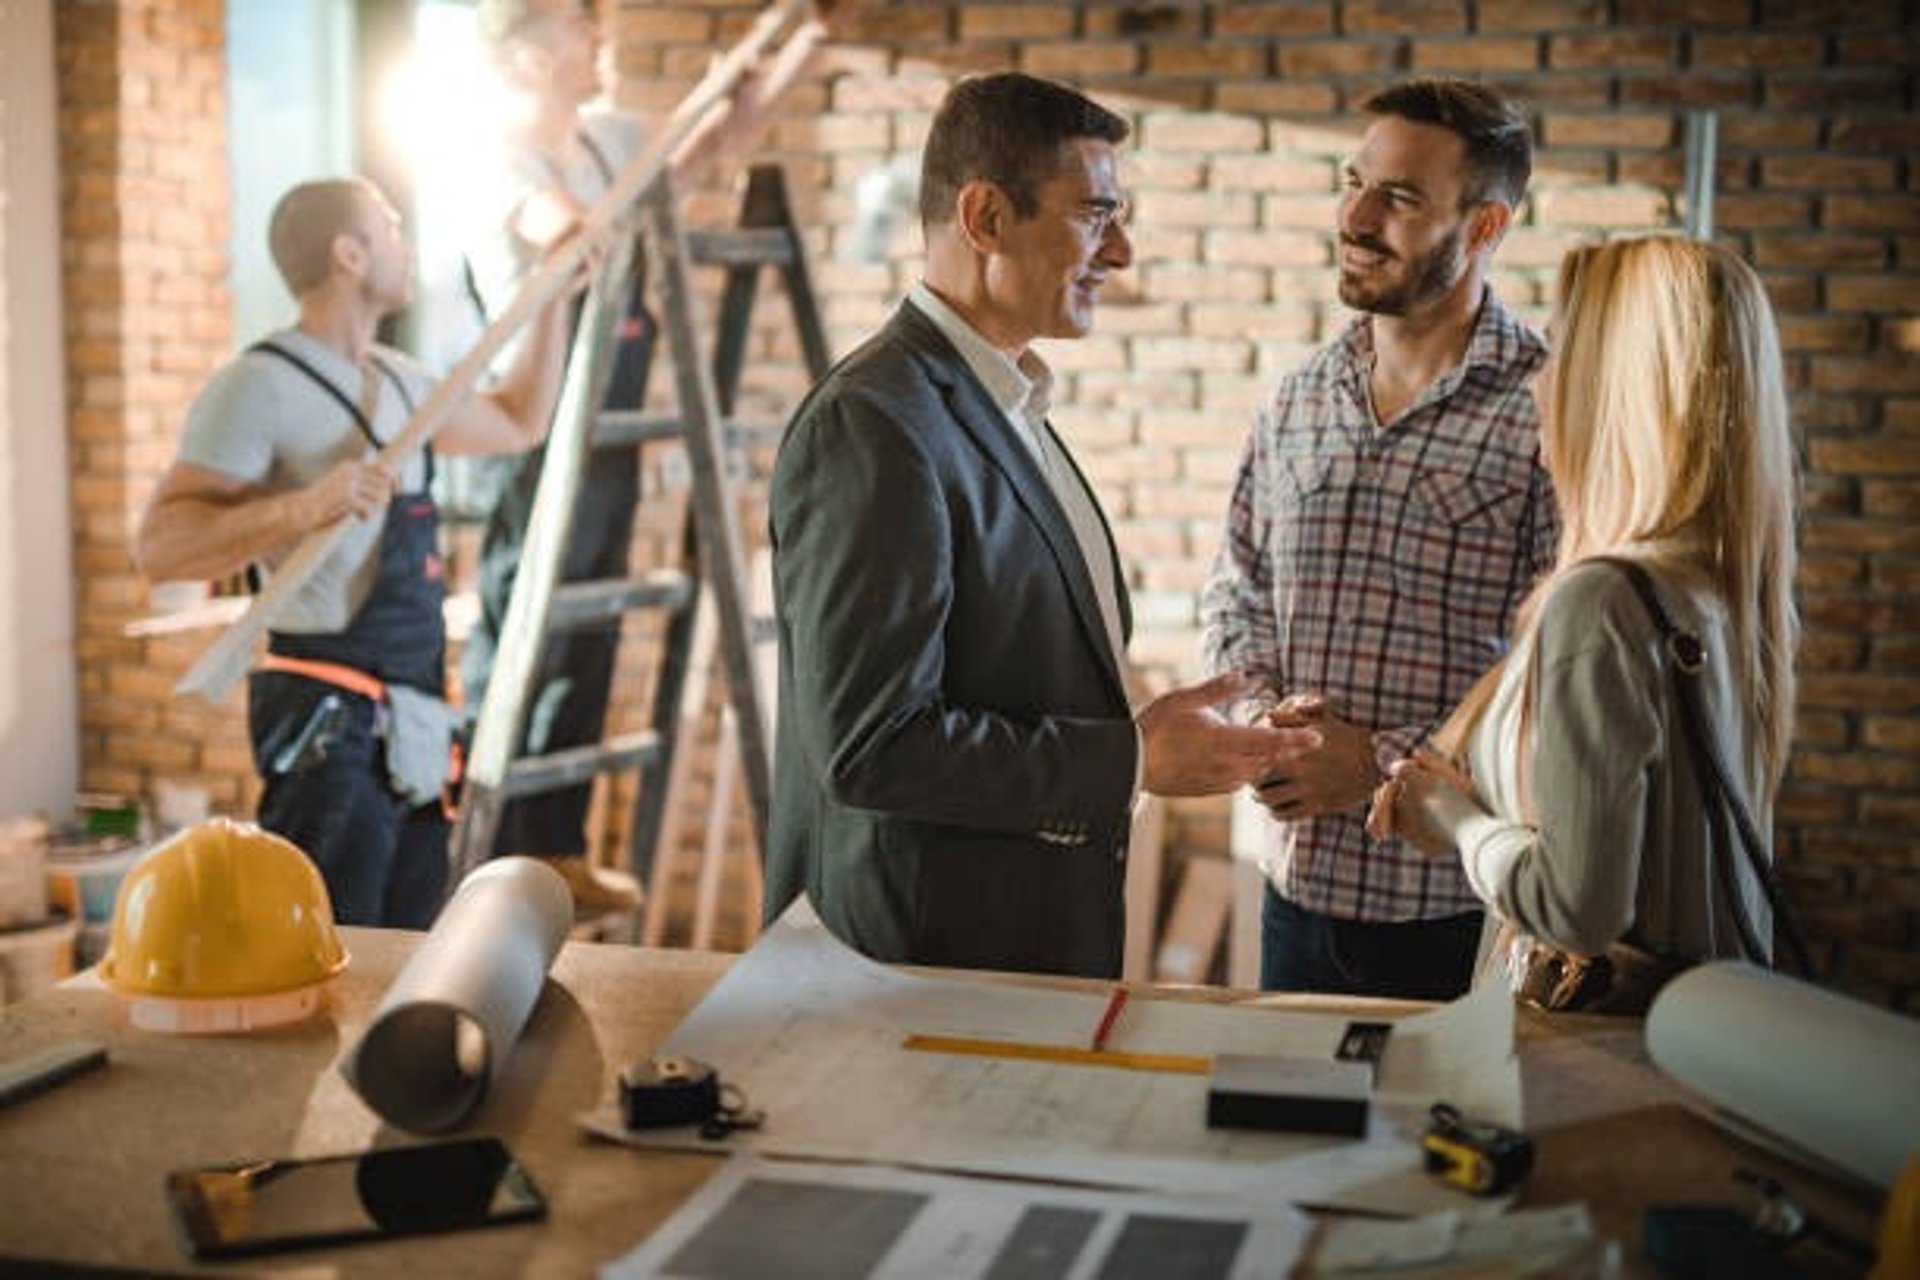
x=1381 y=566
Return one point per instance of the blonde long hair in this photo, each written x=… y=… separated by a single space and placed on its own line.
x=1664 y=425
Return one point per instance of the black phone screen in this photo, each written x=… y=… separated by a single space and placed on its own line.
x=266 y=1205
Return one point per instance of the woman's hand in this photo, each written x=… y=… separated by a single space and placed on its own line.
x=1421 y=802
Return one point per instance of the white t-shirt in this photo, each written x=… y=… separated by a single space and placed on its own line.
x=267 y=423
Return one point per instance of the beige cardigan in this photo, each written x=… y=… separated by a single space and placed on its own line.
x=1619 y=836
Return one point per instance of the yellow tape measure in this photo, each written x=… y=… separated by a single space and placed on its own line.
x=1170 y=1063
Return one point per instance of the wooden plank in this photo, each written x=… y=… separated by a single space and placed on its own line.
x=1199 y=918
x=1146 y=864
x=666 y=857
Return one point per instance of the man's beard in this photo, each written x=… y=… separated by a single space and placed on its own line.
x=1426 y=277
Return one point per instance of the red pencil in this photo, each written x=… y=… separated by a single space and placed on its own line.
x=1115 y=1003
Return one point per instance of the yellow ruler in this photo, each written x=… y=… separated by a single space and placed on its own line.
x=1172 y=1063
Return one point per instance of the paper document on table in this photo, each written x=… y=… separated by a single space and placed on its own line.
x=759 y=1218
x=815 y=1034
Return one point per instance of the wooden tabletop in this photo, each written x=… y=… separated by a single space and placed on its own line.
x=83 y=1165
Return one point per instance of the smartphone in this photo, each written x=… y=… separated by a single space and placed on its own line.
x=263 y=1206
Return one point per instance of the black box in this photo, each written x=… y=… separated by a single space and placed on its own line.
x=1292 y=1095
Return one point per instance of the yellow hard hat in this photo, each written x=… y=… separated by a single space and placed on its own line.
x=223 y=927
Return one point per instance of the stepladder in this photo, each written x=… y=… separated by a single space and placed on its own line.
x=696 y=601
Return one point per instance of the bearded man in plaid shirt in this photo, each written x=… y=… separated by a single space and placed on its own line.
x=1389 y=514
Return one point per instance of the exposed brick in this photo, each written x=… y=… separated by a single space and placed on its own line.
x=1794 y=50
x=1842 y=90
x=895 y=25
x=1162 y=170
x=872 y=92
x=1858 y=45
x=1079 y=58
x=1178 y=283
x=1199 y=210
x=1614 y=50
x=1872 y=293
x=1862 y=610
x=1156 y=244
x=1470 y=57
x=1569 y=89
x=1563 y=168
x=1891 y=500
x=1767 y=131
x=1014 y=21
x=1198 y=134
x=1832 y=651
x=1403 y=17
x=1751 y=211
x=1869 y=537
x=657 y=25
x=1684 y=13
x=1259 y=322
x=1214 y=59
x=1122 y=94
x=1825 y=333
x=1818 y=249
x=1274 y=172
x=1689 y=90
x=1602 y=207
x=1822 y=729
x=1311 y=58
x=1538 y=15
x=1302 y=212
x=1888 y=133
x=1227 y=249
x=1609 y=129
x=1275 y=97
x=1829 y=172
x=1145 y=22
x=1888 y=375
x=1888 y=211
x=1891 y=733
x=1868 y=769
x=1655 y=169
x=1285 y=20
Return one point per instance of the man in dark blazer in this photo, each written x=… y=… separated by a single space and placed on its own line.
x=956 y=758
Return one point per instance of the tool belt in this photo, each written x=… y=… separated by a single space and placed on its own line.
x=337 y=674
x=423 y=747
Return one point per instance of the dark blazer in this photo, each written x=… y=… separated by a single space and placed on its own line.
x=955 y=755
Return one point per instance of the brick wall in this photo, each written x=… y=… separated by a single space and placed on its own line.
x=1242 y=112
x=143 y=193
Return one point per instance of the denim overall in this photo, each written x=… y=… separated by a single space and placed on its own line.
x=320 y=748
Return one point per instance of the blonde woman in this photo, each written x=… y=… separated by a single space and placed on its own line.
x=1574 y=793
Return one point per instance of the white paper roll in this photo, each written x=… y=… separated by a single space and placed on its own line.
x=444 y=1029
x=1831 y=1075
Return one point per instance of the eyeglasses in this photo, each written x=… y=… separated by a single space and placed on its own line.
x=1096 y=216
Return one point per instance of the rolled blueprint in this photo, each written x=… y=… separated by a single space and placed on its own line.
x=444 y=1030
x=1830 y=1075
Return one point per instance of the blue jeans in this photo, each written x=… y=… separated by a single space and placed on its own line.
x=384 y=861
x=1302 y=950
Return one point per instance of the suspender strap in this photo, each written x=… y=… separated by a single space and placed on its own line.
x=1685 y=658
x=269 y=347
x=334 y=673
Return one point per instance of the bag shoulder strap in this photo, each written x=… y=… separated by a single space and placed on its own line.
x=1685 y=658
